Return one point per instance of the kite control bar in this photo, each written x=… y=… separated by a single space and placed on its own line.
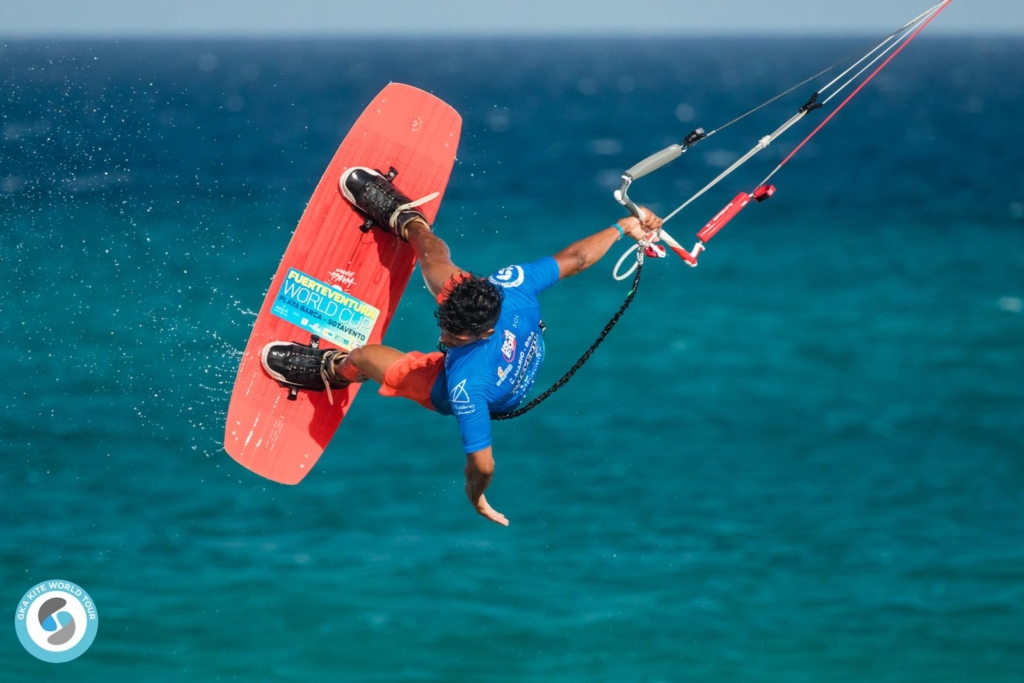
x=710 y=229
x=651 y=163
x=870 y=63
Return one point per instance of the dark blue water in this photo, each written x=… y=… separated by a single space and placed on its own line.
x=802 y=461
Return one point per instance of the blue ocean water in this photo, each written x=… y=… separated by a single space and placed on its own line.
x=801 y=461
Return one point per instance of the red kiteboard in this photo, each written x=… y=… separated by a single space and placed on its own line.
x=339 y=283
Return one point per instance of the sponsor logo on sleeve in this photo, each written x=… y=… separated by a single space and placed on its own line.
x=462 y=404
x=509 y=277
x=459 y=394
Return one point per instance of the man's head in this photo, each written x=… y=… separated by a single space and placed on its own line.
x=470 y=311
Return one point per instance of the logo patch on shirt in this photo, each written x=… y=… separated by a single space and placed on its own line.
x=459 y=394
x=503 y=374
x=509 y=277
x=508 y=346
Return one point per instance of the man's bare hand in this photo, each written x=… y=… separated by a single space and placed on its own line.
x=479 y=470
x=639 y=229
x=485 y=509
x=651 y=221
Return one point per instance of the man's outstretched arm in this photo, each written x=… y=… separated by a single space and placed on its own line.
x=479 y=471
x=579 y=256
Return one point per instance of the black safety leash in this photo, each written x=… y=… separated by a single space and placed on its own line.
x=584 y=358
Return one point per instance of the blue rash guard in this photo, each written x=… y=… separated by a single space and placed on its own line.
x=495 y=374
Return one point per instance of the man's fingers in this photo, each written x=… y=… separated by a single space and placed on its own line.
x=485 y=509
x=497 y=517
x=493 y=515
x=651 y=221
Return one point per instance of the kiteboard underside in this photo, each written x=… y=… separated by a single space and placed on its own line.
x=338 y=284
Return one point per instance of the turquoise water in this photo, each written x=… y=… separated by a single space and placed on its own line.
x=801 y=461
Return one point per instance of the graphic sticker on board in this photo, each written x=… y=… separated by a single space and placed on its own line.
x=325 y=311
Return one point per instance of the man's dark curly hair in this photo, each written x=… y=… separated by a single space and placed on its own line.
x=472 y=307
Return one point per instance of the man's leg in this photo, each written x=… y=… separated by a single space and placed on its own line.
x=370 y=361
x=409 y=375
x=375 y=196
x=373 y=360
x=434 y=256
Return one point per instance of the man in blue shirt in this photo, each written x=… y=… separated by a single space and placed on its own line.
x=490 y=329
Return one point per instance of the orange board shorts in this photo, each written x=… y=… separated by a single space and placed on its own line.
x=412 y=376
